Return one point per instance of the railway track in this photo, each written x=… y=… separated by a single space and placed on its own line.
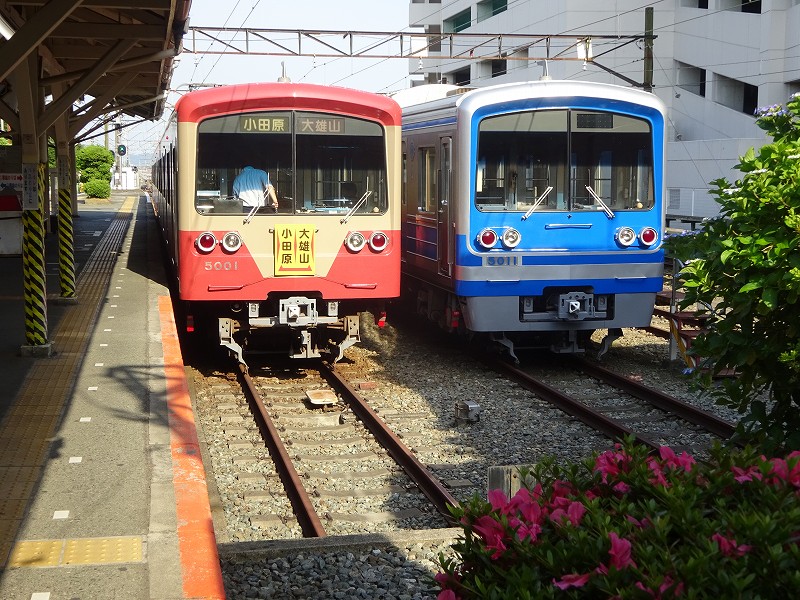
x=619 y=415
x=329 y=451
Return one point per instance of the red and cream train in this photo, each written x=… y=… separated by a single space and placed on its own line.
x=300 y=274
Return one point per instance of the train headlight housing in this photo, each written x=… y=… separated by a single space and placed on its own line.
x=206 y=242
x=625 y=236
x=231 y=241
x=511 y=238
x=487 y=238
x=355 y=241
x=378 y=241
x=648 y=236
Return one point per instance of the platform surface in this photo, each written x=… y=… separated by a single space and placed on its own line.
x=92 y=436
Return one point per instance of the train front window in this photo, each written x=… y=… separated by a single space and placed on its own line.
x=317 y=163
x=558 y=160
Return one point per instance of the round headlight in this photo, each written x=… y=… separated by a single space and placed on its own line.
x=487 y=238
x=511 y=238
x=625 y=236
x=355 y=241
x=206 y=242
x=231 y=241
x=648 y=236
x=378 y=241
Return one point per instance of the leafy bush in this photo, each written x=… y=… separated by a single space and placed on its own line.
x=625 y=524
x=94 y=162
x=746 y=264
x=97 y=189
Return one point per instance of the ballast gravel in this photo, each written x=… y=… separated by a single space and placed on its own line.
x=424 y=374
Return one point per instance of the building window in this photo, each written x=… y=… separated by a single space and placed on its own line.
x=461 y=77
x=735 y=94
x=689 y=78
x=434 y=38
x=499 y=67
x=745 y=6
x=752 y=6
x=489 y=8
x=458 y=22
x=695 y=3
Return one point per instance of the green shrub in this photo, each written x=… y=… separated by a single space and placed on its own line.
x=746 y=265
x=97 y=188
x=626 y=524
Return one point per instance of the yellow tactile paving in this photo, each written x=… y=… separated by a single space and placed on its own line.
x=83 y=551
x=37 y=553
x=99 y=551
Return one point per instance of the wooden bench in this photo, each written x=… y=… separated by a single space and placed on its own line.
x=692 y=220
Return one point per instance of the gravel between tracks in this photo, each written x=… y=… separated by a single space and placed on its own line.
x=427 y=373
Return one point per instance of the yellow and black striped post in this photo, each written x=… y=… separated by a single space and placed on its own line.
x=33 y=270
x=66 y=244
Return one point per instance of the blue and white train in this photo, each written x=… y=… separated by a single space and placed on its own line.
x=533 y=212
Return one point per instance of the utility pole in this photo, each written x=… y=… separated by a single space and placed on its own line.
x=117 y=171
x=648 y=49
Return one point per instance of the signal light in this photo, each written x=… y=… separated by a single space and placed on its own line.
x=487 y=238
x=511 y=238
x=378 y=241
x=231 y=241
x=355 y=241
x=206 y=242
x=648 y=236
x=625 y=236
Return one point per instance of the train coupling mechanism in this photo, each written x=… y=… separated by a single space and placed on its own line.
x=576 y=306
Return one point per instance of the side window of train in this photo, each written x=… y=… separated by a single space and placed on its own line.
x=427 y=198
x=403 y=174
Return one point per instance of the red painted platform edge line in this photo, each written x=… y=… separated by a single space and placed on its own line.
x=202 y=576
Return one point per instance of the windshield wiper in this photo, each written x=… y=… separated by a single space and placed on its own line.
x=356 y=206
x=609 y=213
x=249 y=216
x=537 y=203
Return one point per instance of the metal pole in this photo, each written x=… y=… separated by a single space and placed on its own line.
x=648 y=49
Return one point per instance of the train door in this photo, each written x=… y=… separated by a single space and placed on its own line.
x=445 y=228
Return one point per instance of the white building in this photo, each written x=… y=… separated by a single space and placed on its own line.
x=714 y=62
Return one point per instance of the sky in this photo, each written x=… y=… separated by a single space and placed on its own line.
x=374 y=75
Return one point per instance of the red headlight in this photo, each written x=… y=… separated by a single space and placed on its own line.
x=648 y=236
x=206 y=242
x=487 y=238
x=378 y=241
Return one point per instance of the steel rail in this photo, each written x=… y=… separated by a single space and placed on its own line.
x=307 y=517
x=704 y=419
x=425 y=480
x=594 y=419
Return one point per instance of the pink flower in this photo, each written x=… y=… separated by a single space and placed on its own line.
x=643 y=523
x=575 y=512
x=447 y=595
x=572 y=580
x=492 y=533
x=531 y=532
x=658 y=474
x=610 y=464
x=749 y=474
x=728 y=546
x=498 y=499
x=622 y=488
x=684 y=461
x=620 y=552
